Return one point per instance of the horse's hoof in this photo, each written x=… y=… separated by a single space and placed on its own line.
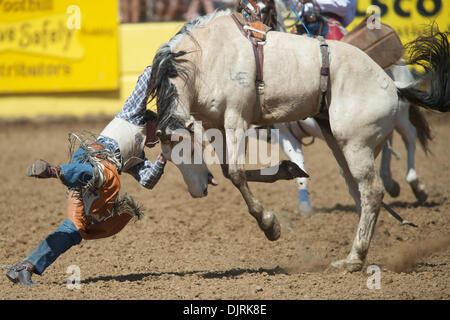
x=304 y=205
x=349 y=265
x=273 y=233
x=270 y=226
x=394 y=190
x=420 y=191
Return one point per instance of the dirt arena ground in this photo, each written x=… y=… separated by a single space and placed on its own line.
x=211 y=248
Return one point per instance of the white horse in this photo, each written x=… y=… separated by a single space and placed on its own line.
x=195 y=76
x=291 y=134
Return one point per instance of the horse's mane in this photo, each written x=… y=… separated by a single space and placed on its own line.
x=168 y=64
x=195 y=23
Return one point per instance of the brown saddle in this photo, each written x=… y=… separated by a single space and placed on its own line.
x=383 y=45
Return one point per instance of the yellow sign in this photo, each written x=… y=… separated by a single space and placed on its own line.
x=58 y=45
x=409 y=18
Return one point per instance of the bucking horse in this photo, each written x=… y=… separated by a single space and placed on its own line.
x=207 y=72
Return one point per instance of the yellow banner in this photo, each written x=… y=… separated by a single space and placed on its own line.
x=409 y=18
x=58 y=45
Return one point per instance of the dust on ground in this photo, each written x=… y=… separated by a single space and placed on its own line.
x=212 y=248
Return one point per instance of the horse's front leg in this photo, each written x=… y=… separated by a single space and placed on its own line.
x=267 y=221
x=234 y=170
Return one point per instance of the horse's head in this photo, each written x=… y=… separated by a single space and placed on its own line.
x=183 y=148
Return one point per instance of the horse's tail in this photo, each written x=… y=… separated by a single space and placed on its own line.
x=419 y=121
x=432 y=53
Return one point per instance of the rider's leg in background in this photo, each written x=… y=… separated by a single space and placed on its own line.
x=291 y=146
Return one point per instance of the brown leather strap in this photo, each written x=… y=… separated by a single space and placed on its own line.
x=24 y=265
x=258 y=51
x=324 y=74
x=320 y=27
x=299 y=125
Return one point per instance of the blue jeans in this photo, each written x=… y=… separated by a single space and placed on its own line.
x=77 y=173
x=74 y=175
x=58 y=242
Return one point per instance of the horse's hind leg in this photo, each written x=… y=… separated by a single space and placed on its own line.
x=359 y=170
x=408 y=133
x=340 y=158
x=362 y=166
x=391 y=186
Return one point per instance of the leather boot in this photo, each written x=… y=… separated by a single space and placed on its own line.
x=42 y=169
x=21 y=272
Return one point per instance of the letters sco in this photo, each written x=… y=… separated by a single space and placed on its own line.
x=403 y=8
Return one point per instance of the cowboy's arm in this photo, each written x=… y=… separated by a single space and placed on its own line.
x=136 y=104
x=148 y=173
